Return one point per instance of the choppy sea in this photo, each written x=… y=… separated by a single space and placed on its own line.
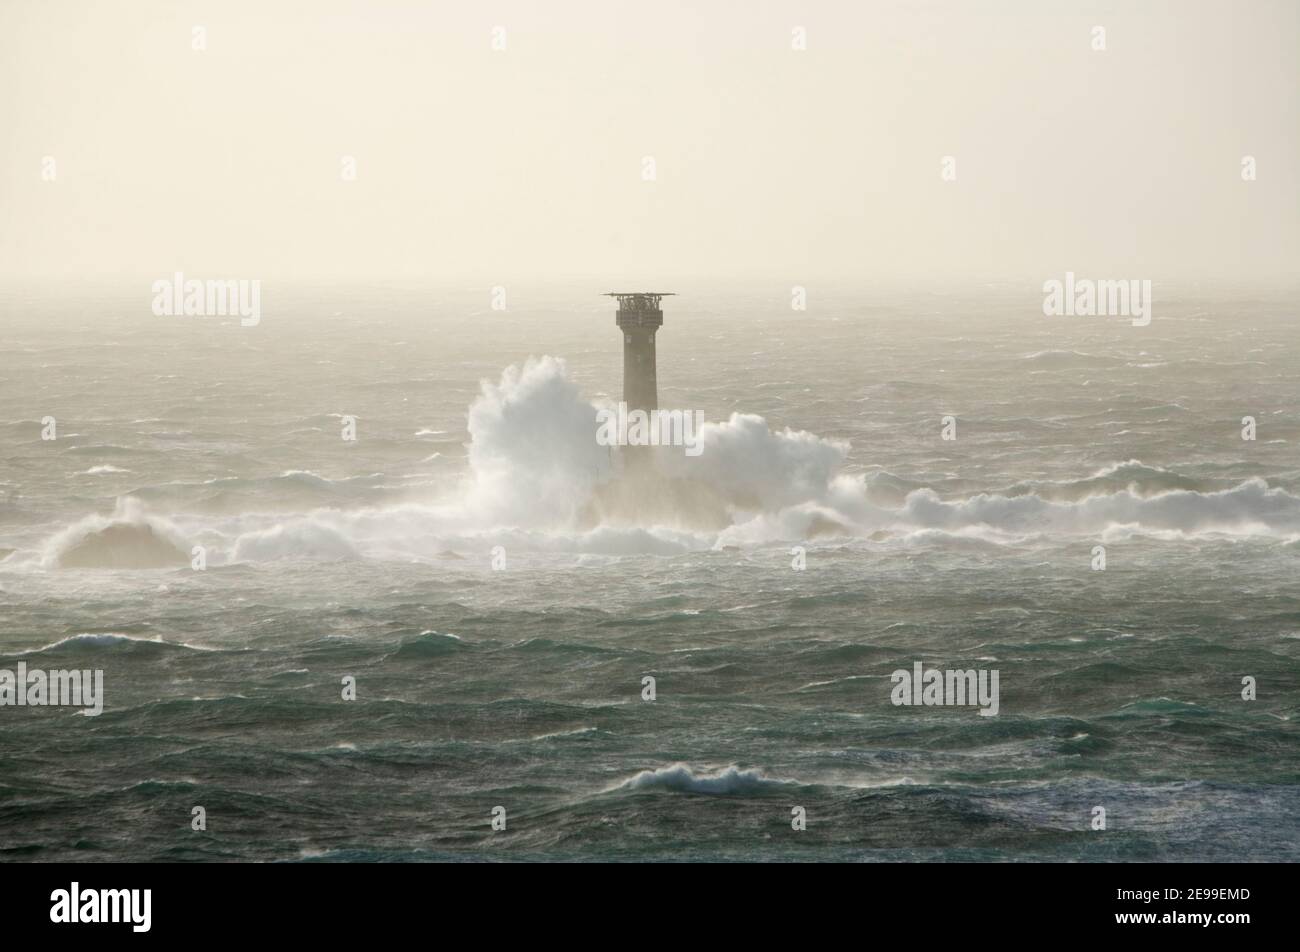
x=468 y=562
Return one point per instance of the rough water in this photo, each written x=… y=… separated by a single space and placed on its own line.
x=521 y=686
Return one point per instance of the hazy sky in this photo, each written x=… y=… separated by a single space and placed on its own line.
x=474 y=164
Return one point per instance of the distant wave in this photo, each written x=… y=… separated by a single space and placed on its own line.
x=91 y=640
x=1067 y=357
x=1132 y=476
x=429 y=644
x=126 y=540
x=1251 y=508
x=102 y=449
x=289 y=491
x=731 y=781
x=575 y=732
x=301 y=539
x=109 y=640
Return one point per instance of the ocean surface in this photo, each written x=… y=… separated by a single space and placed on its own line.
x=520 y=685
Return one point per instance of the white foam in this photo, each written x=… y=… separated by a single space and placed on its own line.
x=729 y=781
x=537 y=481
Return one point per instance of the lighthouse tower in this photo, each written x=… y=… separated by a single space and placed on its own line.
x=639 y=316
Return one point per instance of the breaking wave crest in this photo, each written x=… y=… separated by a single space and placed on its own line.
x=731 y=781
x=110 y=641
x=128 y=539
x=538 y=481
x=1132 y=476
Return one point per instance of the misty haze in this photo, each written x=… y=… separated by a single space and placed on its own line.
x=928 y=489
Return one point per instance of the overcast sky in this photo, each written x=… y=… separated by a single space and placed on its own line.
x=511 y=165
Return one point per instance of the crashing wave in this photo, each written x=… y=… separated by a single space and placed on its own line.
x=126 y=540
x=731 y=781
x=539 y=482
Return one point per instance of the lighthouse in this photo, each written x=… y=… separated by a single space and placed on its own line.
x=639 y=316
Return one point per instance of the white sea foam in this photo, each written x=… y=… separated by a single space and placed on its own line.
x=730 y=781
x=128 y=539
x=91 y=639
x=307 y=538
x=538 y=482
